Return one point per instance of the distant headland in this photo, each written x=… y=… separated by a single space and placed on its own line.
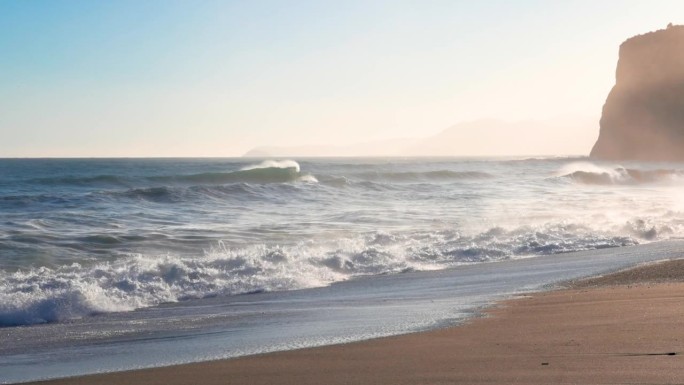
x=483 y=137
x=643 y=117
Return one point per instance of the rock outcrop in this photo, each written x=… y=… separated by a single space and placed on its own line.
x=643 y=117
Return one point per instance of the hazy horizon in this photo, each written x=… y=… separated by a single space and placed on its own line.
x=216 y=79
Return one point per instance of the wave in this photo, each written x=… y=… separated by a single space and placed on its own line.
x=159 y=194
x=168 y=194
x=269 y=171
x=435 y=175
x=264 y=172
x=587 y=173
x=260 y=175
x=19 y=201
x=153 y=194
x=387 y=180
x=85 y=181
x=284 y=164
x=42 y=295
x=202 y=193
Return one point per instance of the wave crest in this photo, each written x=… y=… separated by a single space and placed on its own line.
x=286 y=164
x=268 y=171
x=587 y=173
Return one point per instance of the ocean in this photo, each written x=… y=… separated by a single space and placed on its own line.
x=114 y=264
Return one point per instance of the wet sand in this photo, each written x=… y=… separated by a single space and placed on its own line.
x=621 y=328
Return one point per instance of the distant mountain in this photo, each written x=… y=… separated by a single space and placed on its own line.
x=266 y=152
x=391 y=147
x=495 y=137
x=485 y=137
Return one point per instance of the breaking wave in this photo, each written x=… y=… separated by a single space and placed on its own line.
x=42 y=295
x=587 y=173
x=284 y=164
x=264 y=172
x=270 y=171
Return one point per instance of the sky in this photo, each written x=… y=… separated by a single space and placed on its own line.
x=217 y=78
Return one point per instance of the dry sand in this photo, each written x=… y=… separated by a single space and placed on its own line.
x=624 y=328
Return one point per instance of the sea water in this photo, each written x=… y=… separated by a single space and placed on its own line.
x=190 y=259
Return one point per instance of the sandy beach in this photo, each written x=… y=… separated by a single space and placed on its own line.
x=620 y=328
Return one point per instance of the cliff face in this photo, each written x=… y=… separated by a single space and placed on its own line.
x=643 y=118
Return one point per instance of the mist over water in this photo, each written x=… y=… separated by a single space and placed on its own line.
x=80 y=237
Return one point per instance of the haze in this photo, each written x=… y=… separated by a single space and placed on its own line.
x=218 y=78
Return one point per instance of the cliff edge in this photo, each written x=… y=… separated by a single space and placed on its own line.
x=643 y=117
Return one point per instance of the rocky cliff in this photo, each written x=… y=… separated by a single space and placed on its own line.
x=643 y=117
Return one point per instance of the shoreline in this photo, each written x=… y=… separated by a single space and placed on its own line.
x=593 y=330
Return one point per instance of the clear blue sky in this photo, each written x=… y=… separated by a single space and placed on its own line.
x=215 y=78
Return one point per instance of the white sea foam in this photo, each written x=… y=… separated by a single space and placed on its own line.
x=585 y=167
x=589 y=173
x=44 y=294
x=274 y=164
x=307 y=178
